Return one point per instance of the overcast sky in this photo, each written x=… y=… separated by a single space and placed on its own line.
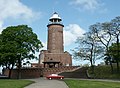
x=77 y=15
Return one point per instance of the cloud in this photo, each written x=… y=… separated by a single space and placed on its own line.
x=44 y=46
x=90 y=5
x=14 y=9
x=71 y=32
x=1 y=23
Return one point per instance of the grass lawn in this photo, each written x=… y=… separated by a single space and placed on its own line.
x=8 y=83
x=91 y=84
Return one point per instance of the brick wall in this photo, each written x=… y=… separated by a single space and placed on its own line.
x=27 y=73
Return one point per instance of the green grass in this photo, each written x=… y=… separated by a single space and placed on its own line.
x=8 y=83
x=91 y=84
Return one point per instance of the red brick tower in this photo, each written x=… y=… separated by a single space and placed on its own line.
x=55 y=56
x=55 y=35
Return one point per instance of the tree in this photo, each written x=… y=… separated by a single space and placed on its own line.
x=88 y=48
x=16 y=44
x=113 y=49
x=7 y=55
x=104 y=36
x=116 y=34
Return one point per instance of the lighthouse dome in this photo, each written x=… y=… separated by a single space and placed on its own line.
x=55 y=16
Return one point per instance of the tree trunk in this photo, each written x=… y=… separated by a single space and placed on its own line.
x=19 y=73
x=110 y=61
x=118 y=69
x=91 y=59
x=111 y=67
x=19 y=69
x=117 y=61
x=10 y=71
x=92 y=68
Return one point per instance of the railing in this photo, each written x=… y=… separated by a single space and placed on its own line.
x=55 y=23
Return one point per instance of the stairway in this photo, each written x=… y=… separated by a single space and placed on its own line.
x=79 y=73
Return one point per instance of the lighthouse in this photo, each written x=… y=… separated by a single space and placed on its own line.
x=55 y=34
x=55 y=55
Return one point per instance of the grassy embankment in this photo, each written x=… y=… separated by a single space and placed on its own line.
x=104 y=72
x=7 y=83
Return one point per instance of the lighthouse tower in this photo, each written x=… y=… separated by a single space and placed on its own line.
x=55 y=34
x=55 y=56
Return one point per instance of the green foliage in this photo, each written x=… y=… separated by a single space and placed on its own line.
x=104 y=72
x=18 y=43
x=96 y=43
x=91 y=84
x=14 y=83
x=113 y=51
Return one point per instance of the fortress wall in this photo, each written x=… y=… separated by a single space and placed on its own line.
x=27 y=73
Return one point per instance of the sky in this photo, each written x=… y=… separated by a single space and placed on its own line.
x=77 y=16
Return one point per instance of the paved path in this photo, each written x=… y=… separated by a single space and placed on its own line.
x=45 y=83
